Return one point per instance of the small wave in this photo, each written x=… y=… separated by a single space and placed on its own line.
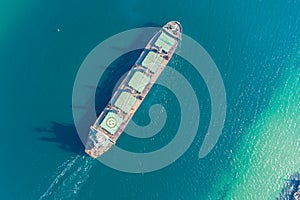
x=71 y=176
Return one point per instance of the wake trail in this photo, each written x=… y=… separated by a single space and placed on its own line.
x=71 y=176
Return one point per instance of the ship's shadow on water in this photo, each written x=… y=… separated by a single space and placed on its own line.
x=63 y=135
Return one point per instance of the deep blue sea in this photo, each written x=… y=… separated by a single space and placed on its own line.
x=256 y=47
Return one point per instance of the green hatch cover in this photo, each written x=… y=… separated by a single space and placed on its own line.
x=111 y=122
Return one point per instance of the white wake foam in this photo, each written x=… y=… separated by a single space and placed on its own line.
x=71 y=176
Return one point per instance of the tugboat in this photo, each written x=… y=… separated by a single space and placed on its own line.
x=291 y=190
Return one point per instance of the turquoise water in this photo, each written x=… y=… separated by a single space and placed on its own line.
x=256 y=46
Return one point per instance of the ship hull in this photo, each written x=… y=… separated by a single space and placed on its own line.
x=133 y=89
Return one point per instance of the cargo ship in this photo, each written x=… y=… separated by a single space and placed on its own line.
x=133 y=89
